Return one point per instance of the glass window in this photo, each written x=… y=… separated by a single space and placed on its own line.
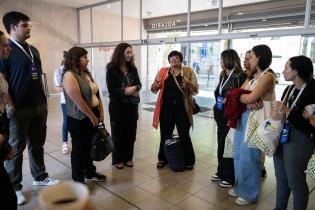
x=158 y=17
x=308 y=47
x=107 y=22
x=205 y=60
x=204 y=18
x=101 y=56
x=85 y=26
x=131 y=20
x=271 y=15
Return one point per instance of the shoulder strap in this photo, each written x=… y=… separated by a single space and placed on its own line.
x=286 y=97
x=188 y=98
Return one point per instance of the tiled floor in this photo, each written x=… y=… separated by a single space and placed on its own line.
x=144 y=186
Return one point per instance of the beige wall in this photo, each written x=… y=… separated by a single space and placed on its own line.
x=54 y=30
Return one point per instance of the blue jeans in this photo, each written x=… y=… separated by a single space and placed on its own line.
x=290 y=162
x=246 y=164
x=64 y=123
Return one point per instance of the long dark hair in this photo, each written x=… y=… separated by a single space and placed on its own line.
x=263 y=52
x=72 y=60
x=304 y=67
x=231 y=60
x=118 y=57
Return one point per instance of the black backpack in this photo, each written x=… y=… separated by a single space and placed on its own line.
x=174 y=154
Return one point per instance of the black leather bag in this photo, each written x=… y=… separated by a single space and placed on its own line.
x=174 y=154
x=196 y=107
x=102 y=144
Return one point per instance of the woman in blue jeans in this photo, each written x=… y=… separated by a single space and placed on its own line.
x=295 y=148
x=58 y=86
x=247 y=167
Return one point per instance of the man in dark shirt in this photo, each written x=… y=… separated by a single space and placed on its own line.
x=23 y=72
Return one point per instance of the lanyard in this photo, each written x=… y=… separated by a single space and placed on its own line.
x=222 y=85
x=297 y=97
x=18 y=44
x=254 y=81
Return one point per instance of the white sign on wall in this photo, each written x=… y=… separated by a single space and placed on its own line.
x=164 y=24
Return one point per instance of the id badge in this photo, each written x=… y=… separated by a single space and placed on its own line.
x=284 y=137
x=220 y=102
x=34 y=72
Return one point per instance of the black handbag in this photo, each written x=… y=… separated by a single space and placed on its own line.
x=102 y=144
x=174 y=154
x=196 y=107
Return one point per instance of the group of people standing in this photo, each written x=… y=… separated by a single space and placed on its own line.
x=23 y=101
x=243 y=172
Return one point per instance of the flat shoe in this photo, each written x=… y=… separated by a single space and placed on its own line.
x=129 y=164
x=119 y=165
x=160 y=164
x=189 y=167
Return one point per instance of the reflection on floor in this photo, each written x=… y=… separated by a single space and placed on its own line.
x=144 y=186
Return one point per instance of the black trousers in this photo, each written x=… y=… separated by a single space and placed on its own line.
x=82 y=132
x=171 y=115
x=7 y=192
x=225 y=168
x=123 y=122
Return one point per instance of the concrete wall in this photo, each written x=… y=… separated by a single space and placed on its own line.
x=55 y=29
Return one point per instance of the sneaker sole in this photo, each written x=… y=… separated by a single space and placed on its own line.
x=21 y=203
x=39 y=184
x=225 y=185
x=232 y=195
x=96 y=180
x=241 y=203
x=215 y=179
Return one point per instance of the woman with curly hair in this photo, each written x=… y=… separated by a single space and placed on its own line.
x=123 y=85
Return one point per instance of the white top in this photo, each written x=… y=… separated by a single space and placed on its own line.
x=57 y=82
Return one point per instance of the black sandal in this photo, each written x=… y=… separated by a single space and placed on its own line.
x=160 y=164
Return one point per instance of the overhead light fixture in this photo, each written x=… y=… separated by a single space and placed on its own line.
x=178 y=21
x=240 y=13
x=264 y=20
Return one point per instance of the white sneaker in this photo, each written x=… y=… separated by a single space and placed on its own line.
x=20 y=197
x=215 y=178
x=65 y=149
x=241 y=201
x=46 y=182
x=232 y=193
x=225 y=184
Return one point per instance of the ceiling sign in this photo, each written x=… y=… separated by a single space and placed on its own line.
x=164 y=24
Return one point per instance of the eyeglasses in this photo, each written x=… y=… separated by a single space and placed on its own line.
x=175 y=57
